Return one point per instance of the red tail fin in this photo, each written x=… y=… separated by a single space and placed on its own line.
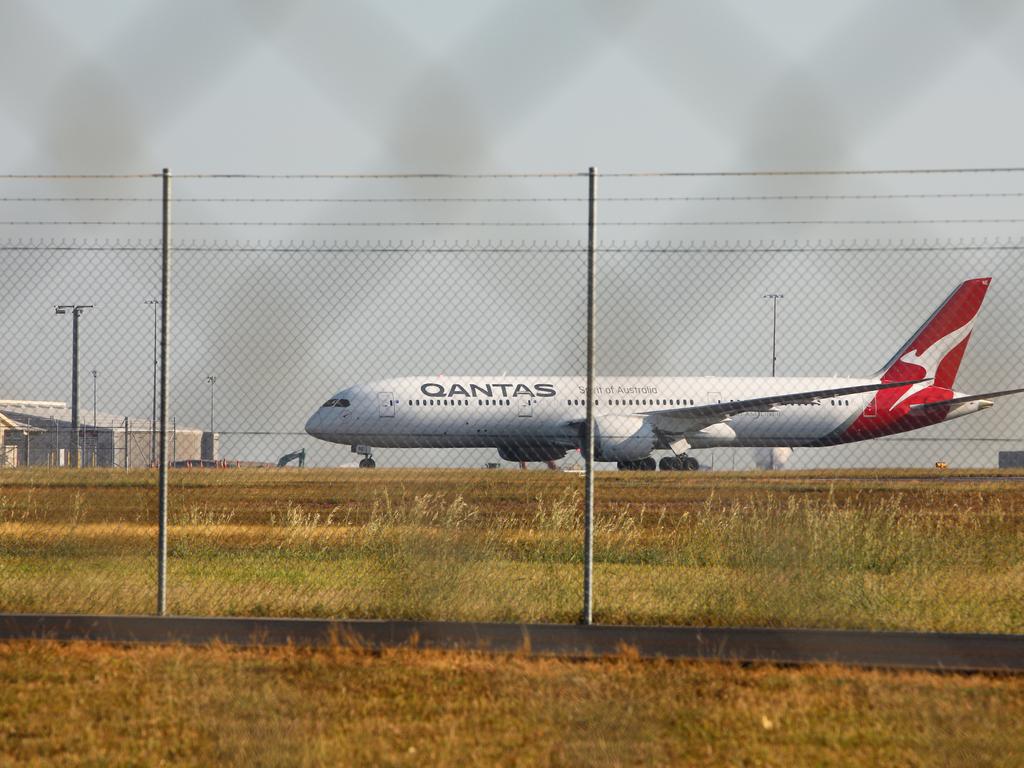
x=935 y=351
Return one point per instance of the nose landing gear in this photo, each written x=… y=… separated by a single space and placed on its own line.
x=366 y=452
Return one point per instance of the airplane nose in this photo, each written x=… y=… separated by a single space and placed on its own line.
x=315 y=424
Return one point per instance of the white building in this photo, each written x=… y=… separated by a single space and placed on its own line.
x=38 y=433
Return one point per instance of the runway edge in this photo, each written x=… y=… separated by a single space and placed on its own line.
x=894 y=650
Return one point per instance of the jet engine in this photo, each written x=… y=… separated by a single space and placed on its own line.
x=622 y=438
x=530 y=451
x=771 y=458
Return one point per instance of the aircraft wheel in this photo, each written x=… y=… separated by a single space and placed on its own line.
x=647 y=465
x=690 y=464
x=669 y=464
x=367 y=464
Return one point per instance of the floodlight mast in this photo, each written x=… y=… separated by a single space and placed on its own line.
x=76 y=312
x=211 y=380
x=775 y=304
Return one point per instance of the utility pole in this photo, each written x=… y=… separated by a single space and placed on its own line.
x=76 y=312
x=775 y=302
x=95 y=373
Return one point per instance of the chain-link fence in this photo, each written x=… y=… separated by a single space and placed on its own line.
x=777 y=424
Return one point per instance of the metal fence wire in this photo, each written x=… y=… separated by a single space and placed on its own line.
x=777 y=424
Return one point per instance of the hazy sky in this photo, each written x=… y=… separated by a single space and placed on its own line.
x=478 y=87
x=121 y=87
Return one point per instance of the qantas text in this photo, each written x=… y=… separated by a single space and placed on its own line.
x=433 y=389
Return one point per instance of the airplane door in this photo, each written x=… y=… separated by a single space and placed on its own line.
x=525 y=406
x=386 y=404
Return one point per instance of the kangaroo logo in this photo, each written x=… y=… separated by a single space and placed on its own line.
x=931 y=358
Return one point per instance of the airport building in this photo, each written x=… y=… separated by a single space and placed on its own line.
x=38 y=434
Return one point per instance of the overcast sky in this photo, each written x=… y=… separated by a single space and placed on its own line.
x=123 y=87
x=494 y=86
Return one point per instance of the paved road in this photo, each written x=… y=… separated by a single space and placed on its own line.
x=909 y=650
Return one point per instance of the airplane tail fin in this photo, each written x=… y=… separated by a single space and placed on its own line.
x=938 y=346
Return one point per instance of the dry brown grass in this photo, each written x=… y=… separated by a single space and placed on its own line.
x=82 y=704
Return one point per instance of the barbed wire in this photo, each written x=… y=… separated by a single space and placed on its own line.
x=556 y=246
x=599 y=199
x=531 y=224
x=526 y=174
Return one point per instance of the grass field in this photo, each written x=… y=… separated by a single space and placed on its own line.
x=904 y=550
x=92 y=704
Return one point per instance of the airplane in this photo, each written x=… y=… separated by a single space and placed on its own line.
x=543 y=418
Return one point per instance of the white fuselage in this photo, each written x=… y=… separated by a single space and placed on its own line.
x=421 y=412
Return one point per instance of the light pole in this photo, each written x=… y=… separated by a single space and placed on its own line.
x=775 y=302
x=95 y=373
x=211 y=380
x=76 y=312
x=155 y=303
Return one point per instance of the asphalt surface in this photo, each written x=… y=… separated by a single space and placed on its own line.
x=897 y=650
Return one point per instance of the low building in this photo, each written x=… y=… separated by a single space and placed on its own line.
x=1011 y=459
x=38 y=433
x=11 y=434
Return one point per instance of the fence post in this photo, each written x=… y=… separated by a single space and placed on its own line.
x=588 y=494
x=165 y=273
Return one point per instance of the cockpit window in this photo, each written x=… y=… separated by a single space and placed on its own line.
x=340 y=402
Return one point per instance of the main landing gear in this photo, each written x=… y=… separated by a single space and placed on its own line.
x=550 y=464
x=641 y=465
x=682 y=463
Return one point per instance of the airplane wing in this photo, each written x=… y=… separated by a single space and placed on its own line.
x=696 y=417
x=965 y=399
